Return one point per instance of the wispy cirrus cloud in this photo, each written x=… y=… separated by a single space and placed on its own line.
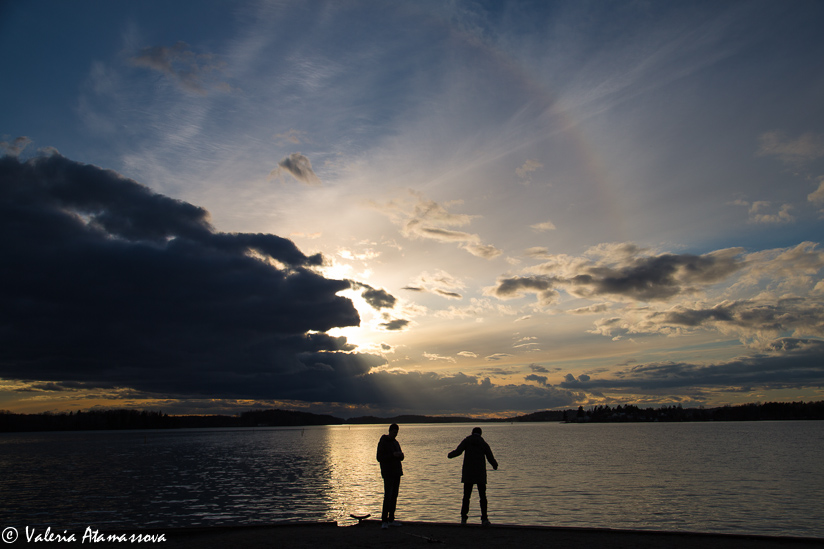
x=426 y=219
x=543 y=226
x=192 y=72
x=440 y=283
x=793 y=151
x=527 y=169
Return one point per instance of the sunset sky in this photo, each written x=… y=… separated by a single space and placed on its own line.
x=436 y=207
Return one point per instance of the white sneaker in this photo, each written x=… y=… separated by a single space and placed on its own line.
x=384 y=525
x=395 y=523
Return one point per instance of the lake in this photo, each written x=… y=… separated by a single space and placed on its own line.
x=736 y=477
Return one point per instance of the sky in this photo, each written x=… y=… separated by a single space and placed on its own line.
x=430 y=207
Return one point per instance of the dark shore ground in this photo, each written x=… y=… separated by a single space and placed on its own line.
x=427 y=534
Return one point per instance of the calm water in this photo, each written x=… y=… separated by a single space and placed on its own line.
x=759 y=477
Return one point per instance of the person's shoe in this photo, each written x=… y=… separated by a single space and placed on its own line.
x=463 y=521
x=395 y=523
x=384 y=525
x=485 y=522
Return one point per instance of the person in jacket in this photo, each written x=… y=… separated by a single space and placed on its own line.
x=476 y=452
x=390 y=457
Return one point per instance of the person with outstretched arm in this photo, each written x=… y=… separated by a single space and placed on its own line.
x=476 y=453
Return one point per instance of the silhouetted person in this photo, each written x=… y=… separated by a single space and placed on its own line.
x=476 y=451
x=390 y=457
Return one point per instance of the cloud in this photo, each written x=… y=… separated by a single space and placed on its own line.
x=541 y=227
x=517 y=286
x=784 y=269
x=759 y=212
x=430 y=220
x=299 y=167
x=441 y=283
x=191 y=71
x=448 y=295
x=528 y=168
x=620 y=273
x=653 y=278
x=791 y=363
x=592 y=309
x=484 y=251
x=15 y=146
x=817 y=196
x=615 y=327
x=444 y=235
x=540 y=380
x=433 y=356
x=751 y=319
x=133 y=294
x=116 y=286
x=395 y=325
x=378 y=299
x=803 y=149
x=760 y=303
x=430 y=393
x=538 y=252
x=291 y=136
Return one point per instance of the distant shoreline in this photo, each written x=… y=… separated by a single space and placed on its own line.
x=122 y=419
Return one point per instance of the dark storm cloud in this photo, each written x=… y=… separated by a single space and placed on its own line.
x=299 y=167
x=108 y=284
x=793 y=362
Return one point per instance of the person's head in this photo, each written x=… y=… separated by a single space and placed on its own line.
x=393 y=430
x=476 y=431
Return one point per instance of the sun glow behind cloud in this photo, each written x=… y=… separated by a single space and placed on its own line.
x=594 y=191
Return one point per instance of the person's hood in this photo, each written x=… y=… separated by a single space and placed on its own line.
x=475 y=440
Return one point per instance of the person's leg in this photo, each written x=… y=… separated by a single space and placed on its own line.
x=465 y=504
x=387 y=493
x=482 y=495
x=393 y=500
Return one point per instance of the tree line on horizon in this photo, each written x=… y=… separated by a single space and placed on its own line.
x=768 y=411
x=123 y=419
